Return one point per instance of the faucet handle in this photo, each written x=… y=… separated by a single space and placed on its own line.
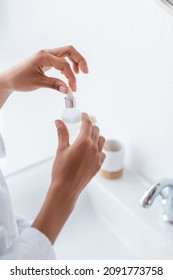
x=149 y=196
x=167 y=200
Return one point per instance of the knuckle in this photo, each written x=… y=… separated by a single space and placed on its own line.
x=41 y=53
x=53 y=85
x=70 y=47
x=64 y=63
x=73 y=78
x=94 y=150
x=85 y=144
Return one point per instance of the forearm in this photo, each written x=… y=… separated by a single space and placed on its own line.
x=54 y=213
x=5 y=88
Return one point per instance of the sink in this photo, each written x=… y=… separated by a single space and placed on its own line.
x=107 y=222
x=141 y=230
x=87 y=236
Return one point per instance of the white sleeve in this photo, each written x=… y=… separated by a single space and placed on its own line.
x=30 y=245
x=22 y=223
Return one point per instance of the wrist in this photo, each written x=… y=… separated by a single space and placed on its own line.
x=65 y=190
x=5 y=88
x=54 y=213
x=6 y=83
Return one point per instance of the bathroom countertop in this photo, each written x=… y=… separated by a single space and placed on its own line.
x=117 y=203
x=107 y=222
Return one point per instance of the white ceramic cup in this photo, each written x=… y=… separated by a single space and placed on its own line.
x=113 y=165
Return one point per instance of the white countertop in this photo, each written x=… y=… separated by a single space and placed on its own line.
x=107 y=223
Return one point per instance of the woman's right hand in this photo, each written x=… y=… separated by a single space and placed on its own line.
x=74 y=166
x=30 y=74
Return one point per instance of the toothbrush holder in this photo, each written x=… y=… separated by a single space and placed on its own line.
x=112 y=167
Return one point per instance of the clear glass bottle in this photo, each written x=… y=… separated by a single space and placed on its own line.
x=71 y=115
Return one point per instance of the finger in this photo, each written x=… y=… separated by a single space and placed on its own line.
x=75 y=66
x=46 y=61
x=64 y=67
x=102 y=158
x=95 y=133
x=86 y=127
x=101 y=142
x=63 y=135
x=73 y=55
x=54 y=83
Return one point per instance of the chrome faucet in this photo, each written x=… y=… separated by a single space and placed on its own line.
x=156 y=190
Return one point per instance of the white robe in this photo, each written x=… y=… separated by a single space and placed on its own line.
x=18 y=240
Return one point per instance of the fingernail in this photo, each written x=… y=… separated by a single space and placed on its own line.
x=84 y=67
x=62 y=89
x=58 y=124
x=75 y=88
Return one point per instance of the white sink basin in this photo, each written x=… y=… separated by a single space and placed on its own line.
x=107 y=223
x=141 y=230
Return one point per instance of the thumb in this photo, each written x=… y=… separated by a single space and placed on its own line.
x=63 y=135
x=54 y=83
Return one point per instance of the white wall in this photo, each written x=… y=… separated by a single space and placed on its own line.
x=128 y=45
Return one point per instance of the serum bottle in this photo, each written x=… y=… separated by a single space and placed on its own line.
x=71 y=115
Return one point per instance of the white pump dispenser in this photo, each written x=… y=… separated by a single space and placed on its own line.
x=71 y=115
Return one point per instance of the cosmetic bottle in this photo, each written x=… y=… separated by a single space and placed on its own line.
x=71 y=115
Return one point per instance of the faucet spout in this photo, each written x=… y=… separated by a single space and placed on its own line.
x=149 y=196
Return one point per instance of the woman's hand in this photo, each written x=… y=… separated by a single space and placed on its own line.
x=76 y=164
x=30 y=74
x=73 y=168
